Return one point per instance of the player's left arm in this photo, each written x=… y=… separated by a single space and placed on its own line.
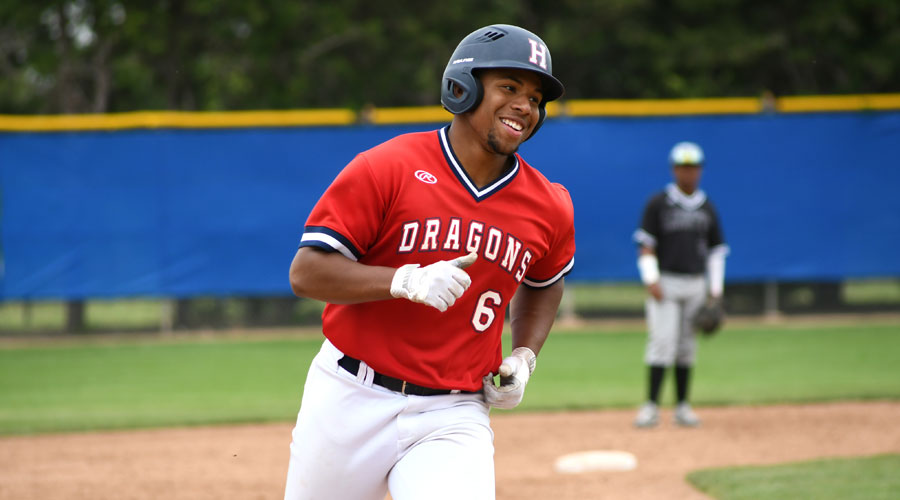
x=532 y=312
x=533 y=308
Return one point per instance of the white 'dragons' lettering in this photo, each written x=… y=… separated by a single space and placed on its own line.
x=492 y=249
x=430 y=241
x=526 y=260
x=473 y=242
x=408 y=239
x=538 y=50
x=451 y=241
x=491 y=243
x=512 y=253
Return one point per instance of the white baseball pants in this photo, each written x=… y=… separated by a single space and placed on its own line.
x=672 y=338
x=355 y=440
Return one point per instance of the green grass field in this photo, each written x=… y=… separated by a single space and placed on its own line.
x=150 y=384
x=130 y=382
x=159 y=382
x=868 y=478
x=740 y=366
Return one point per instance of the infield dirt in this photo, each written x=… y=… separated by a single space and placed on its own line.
x=249 y=461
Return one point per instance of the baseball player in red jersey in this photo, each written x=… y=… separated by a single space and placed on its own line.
x=418 y=247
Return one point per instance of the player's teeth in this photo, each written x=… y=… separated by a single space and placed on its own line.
x=513 y=125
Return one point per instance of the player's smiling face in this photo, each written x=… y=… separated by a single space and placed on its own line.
x=509 y=109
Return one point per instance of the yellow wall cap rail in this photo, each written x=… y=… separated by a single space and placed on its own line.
x=616 y=107
x=422 y=114
x=177 y=119
x=436 y=114
x=818 y=103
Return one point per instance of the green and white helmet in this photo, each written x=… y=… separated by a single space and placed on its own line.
x=686 y=153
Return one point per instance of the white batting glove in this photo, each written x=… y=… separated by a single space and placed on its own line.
x=515 y=371
x=437 y=285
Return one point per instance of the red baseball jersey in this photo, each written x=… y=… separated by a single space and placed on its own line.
x=409 y=200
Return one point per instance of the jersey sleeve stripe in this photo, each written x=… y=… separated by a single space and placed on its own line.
x=328 y=239
x=644 y=238
x=545 y=283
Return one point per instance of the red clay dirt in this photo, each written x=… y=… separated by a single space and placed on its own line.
x=249 y=461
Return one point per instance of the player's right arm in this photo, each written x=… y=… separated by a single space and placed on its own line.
x=645 y=237
x=648 y=265
x=332 y=277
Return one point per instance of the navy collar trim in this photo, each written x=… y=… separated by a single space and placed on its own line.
x=463 y=176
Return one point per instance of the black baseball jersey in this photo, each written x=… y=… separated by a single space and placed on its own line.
x=682 y=229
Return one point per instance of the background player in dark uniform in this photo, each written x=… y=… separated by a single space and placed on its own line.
x=682 y=262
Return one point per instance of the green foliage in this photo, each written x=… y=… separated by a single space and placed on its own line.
x=872 y=292
x=43 y=315
x=104 y=55
x=869 y=478
x=590 y=297
x=124 y=315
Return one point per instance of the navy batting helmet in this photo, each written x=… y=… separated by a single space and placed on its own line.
x=497 y=46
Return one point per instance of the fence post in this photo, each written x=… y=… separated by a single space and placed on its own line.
x=75 y=316
x=770 y=301
x=166 y=316
x=567 y=314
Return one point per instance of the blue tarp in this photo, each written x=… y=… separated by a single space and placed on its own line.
x=220 y=211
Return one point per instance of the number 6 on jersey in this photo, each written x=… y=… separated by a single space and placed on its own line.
x=485 y=313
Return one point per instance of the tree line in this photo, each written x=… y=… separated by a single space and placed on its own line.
x=89 y=56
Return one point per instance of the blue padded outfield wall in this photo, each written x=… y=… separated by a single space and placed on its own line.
x=182 y=212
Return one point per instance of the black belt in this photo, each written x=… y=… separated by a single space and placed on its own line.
x=395 y=384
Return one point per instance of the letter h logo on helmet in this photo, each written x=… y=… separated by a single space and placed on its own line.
x=538 y=50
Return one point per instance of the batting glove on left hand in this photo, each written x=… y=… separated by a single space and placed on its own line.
x=515 y=371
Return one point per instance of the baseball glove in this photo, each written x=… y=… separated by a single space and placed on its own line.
x=710 y=317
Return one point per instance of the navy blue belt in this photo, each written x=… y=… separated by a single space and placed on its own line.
x=395 y=384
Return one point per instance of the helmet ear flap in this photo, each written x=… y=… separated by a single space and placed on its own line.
x=472 y=92
x=479 y=93
x=543 y=114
